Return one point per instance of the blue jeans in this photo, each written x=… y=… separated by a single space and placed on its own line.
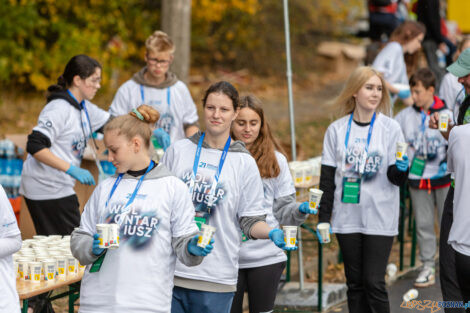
x=197 y=301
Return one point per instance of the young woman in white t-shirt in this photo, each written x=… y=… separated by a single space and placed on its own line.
x=156 y=226
x=261 y=262
x=56 y=145
x=10 y=242
x=405 y=39
x=360 y=178
x=227 y=193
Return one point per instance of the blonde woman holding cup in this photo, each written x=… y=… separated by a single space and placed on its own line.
x=156 y=226
x=261 y=261
x=360 y=177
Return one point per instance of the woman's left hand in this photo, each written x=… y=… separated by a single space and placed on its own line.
x=402 y=165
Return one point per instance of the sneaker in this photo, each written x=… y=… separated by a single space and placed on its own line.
x=426 y=277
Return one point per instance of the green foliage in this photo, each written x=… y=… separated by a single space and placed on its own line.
x=40 y=36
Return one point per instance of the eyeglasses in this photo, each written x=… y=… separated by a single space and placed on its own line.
x=153 y=61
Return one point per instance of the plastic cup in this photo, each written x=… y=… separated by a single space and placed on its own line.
x=113 y=236
x=102 y=230
x=39 y=237
x=50 y=269
x=35 y=269
x=443 y=122
x=401 y=87
x=314 y=197
x=23 y=268
x=410 y=295
x=401 y=150
x=207 y=232
x=308 y=173
x=391 y=270
x=324 y=230
x=290 y=235
x=61 y=267
x=72 y=265
x=54 y=237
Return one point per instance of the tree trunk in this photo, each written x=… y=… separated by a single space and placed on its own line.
x=176 y=22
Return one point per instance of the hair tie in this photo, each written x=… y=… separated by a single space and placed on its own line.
x=138 y=115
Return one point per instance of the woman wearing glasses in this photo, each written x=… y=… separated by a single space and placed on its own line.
x=159 y=88
x=56 y=145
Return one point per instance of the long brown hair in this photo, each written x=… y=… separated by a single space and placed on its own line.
x=265 y=144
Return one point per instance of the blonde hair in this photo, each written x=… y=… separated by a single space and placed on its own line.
x=346 y=102
x=131 y=126
x=159 y=42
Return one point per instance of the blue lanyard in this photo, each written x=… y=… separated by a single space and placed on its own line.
x=369 y=135
x=219 y=169
x=139 y=183
x=423 y=122
x=168 y=96
x=83 y=106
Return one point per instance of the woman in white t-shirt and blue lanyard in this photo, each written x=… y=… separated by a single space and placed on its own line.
x=261 y=262
x=156 y=226
x=405 y=39
x=227 y=193
x=56 y=145
x=10 y=242
x=360 y=178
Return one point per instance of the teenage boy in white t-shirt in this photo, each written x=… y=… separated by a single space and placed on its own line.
x=159 y=88
x=10 y=242
x=428 y=180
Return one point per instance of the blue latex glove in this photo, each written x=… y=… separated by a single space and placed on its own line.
x=80 y=174
x=194 y=249
x=163 y=138
x=96 y=242
x=320 y=239
x=404 y=93
x=305 y=208
x=402 y=165
x=442 y=171
x=277 y=236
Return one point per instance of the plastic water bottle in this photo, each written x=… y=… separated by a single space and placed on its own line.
x=441 y=58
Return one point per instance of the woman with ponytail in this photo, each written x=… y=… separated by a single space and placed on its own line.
x=56 y=145
x=156 y=226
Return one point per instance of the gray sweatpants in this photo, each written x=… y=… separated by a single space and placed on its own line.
x=424 y=204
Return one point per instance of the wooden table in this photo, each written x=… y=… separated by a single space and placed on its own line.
x=27 y=290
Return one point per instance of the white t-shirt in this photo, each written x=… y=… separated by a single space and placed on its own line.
x=239 y=193
x=255 y=253
x=377 y=212
x=391 y=62
x=410 y=121
x=68 y=130
x=452 y=92
x=138 y=276
x=458 y=163
x=174 y=114
x=9 y=301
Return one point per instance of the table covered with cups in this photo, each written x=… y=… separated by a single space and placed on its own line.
x=45 y=264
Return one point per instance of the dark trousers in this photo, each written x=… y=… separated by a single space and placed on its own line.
x=261 y=284
x=195 y=301
x=462 y=263
x=429 y=49
x=447 y=272
x=55 y=217
x=365 y=261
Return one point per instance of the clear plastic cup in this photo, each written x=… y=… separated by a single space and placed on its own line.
x=324 y=230
x=401 y=150
x=102 y=230
x=314 y=197
x=290 y=236
x=113 y=236
x=207 y=232
x=35 y=269
x=410 y=295
x=443 y=121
